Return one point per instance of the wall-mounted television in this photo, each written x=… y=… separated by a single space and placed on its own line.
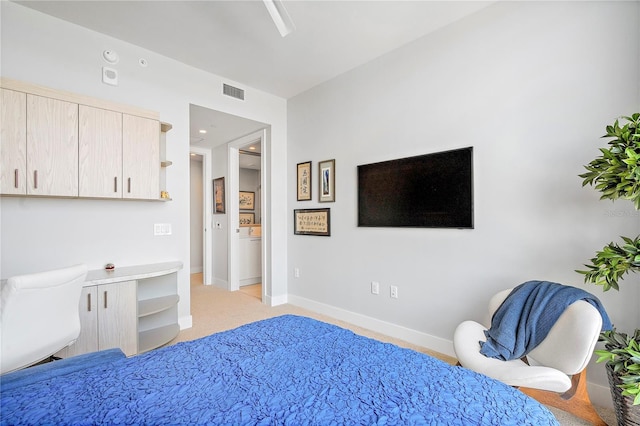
x=426 y=191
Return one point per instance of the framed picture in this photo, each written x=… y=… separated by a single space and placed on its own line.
x=247 y=200
x=304 y=181
x=218 y=195
x=312 y=222
x=327 y=171
x=247 y=218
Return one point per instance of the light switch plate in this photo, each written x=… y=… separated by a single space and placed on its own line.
x=162 y=229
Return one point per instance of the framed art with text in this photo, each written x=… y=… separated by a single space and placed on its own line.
x=247 y=200
x=304 y=181
x=218 y=195
x=327 y=181
x=312 y=222
x=247 y=218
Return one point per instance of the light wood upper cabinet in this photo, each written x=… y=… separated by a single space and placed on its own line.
x=52 y=142
x=100 y=153
x=60 y=144
x=13 y=142
x=140 y=157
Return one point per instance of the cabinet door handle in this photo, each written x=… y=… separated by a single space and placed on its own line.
x=89 y=302
x=15 y=177
x=35 y=179
x=105 y=300
x=115 y=184
x=129 y=185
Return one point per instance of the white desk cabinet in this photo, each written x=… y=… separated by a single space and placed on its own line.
x=132 y=308
x=108 y=319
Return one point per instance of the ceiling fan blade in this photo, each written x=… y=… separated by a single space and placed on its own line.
x=280 y=16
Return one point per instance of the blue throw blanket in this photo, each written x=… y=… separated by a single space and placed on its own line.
x=525 y=317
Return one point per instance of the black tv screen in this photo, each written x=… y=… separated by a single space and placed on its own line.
x=427 y=191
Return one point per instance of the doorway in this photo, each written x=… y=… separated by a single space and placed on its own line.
x=211 y=134
x=249 y=227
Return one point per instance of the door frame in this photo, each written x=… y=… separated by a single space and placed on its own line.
x=233 y=172
x=207 y=215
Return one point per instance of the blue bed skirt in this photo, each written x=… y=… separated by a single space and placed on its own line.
x=287 y=370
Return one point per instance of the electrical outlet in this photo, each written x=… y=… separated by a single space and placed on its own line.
x=375 y=287
x=296 y=272
x=394 y=291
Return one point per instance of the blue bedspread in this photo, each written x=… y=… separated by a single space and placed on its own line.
x=287 y=370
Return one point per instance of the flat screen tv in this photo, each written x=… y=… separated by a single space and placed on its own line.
x=426 y=191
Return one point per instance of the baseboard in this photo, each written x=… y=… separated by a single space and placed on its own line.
x=600 y=395
x=392 y=330
x=250 y=281
x=277 y=300
x=218 y=282
x=196 y=269
x=185 y=322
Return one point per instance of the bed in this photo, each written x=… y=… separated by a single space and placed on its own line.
x=287 y=370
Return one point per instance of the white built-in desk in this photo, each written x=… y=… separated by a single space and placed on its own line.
x=127 y=273
x=134 y=308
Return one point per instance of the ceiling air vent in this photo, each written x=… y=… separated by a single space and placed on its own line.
x=234 y=92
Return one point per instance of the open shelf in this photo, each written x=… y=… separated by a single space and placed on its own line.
x=158 y=304
x=156 y=337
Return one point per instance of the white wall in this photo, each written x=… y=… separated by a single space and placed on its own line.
x=43 y=233
x=531 y=86
x=196 y=214
x=220 y=234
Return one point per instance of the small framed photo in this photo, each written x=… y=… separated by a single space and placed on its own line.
x=247 y=200
x=218 y=195
x=304 y=181
x=327 y=181
x=247 y=218
x=312 y=222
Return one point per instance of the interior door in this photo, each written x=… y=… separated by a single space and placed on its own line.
x=234 y=210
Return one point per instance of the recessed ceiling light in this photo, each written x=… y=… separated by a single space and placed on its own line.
x=253 y=148
x=203 y=131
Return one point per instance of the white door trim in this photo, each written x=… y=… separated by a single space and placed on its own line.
x=234 y=211
x=207 y=216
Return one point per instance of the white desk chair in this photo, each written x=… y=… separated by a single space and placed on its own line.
x=39 y=316
x=555 y=371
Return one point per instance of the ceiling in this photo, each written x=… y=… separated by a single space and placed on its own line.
x=221 y=128
x=238 y=40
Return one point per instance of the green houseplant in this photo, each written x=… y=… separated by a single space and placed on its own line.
x=616 y=174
